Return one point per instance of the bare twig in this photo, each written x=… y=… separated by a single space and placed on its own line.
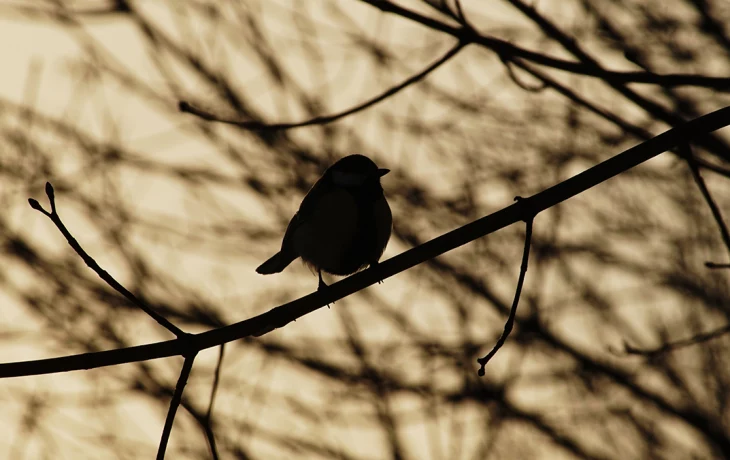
x=284 y=314
x=513 y=311
x=174 y=403
x=91 y=263
x=324 y=119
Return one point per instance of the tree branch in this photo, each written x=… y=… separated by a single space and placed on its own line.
x=91 y=263
x=507 y=49
x=174 y=403
x=628 y=349
x=686 y=151
x=284 y=314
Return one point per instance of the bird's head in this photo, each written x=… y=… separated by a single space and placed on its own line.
x=356 y=171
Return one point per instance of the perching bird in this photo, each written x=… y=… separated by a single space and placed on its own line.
x=343 y=223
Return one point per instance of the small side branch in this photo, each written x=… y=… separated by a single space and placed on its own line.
x=324 y=119
x=671 y=346
x=513 y=311
x=688 y=154
x=91 y=263
x=175 y=403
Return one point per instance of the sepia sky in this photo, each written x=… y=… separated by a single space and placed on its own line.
x=181 y=210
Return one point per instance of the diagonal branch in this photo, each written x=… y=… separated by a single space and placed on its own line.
x=284 y=314
x=324 y=119
x=91 y=263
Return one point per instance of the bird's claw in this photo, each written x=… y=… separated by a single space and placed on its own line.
x=374 y=266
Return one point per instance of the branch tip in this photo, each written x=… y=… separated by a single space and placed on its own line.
x=49 y=191
x=36 y=205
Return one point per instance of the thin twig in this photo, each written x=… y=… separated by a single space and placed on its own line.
x=688 y=155
x=513 y=311
x=208 y=422
x=91 y=263
x=686 y=152
x=174 y=403
x=716 y=265
x=628 y=349
x=324 y=119
x=286 y=313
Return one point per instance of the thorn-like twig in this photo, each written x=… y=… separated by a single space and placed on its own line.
x=175 y=403
x=513 y=311
x=185 y=106
x=91 y=263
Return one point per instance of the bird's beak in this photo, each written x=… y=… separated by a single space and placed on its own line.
x=382 y=172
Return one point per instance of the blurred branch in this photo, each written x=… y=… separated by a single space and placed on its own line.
x=280 y=316
x=570 y=44
x=324 y=119
x=714 y=265
x=686 y=151
x=516 y=80
x=628 y=349
x=91 y=263
x=637 y=131
x=504 y=48
x=174 y=403
x=513 y=311
x=209 y=415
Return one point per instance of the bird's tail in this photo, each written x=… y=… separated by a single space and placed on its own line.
x=276 y=263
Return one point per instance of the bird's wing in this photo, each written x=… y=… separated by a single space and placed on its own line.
x=306 y=210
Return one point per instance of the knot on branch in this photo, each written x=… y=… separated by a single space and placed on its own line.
x=527 y=208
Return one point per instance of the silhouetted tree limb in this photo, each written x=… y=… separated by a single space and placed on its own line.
x=509 y=50
x=284 y=314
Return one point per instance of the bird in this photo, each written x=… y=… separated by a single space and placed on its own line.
x=343 y=223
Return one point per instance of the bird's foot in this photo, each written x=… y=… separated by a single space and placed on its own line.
x=374 y=266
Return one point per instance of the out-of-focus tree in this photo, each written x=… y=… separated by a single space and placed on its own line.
x=181 y=209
